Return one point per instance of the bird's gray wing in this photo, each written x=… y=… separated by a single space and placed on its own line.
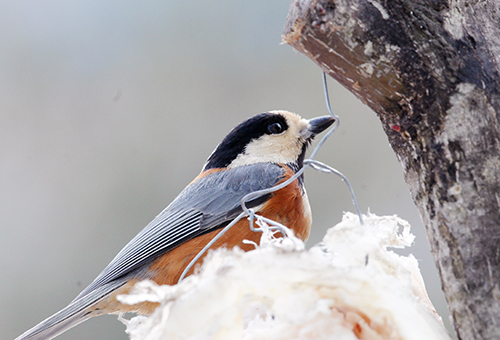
x=206 y=204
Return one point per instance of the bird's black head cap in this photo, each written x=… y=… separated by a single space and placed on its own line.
x=236 y=141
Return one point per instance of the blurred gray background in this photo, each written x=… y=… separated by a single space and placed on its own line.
x=109 y=108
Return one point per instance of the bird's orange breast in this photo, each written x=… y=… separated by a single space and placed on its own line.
x=288 y=206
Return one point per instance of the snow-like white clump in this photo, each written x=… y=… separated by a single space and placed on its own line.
x=350 y=286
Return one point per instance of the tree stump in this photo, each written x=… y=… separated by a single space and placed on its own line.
x=430 y=71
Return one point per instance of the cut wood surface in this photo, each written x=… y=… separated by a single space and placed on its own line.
x=430 y=71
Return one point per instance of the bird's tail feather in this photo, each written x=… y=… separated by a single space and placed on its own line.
x=73 y=314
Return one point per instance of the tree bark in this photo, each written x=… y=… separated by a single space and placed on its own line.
x=430 y=70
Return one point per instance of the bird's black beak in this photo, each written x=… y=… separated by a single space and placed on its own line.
x=318 y=125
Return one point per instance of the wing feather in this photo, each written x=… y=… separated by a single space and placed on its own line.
x=205 y=204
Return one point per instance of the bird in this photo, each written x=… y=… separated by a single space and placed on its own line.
x=259 y=153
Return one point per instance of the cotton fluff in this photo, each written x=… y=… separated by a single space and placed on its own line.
x=350 y=286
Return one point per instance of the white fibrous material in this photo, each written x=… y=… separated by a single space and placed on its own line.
x=350 y=286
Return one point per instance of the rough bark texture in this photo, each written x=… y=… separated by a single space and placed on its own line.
x=430 y=70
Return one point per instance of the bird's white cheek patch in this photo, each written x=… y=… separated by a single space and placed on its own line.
x=275 y=149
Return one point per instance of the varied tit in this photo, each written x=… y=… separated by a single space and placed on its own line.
x=259 y=153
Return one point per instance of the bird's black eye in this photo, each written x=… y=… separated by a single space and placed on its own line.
x=275 y=128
